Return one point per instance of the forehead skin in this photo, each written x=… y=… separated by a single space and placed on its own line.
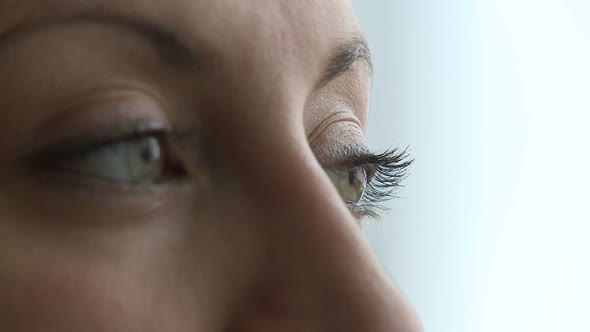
x=287 y=42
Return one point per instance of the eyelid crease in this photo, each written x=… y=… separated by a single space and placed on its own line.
x=327 y=123
x=121 y=106
x=118 y=88
x=112 y=92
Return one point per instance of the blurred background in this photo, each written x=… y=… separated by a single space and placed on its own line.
x=493 y=98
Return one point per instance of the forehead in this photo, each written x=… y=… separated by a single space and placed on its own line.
x=297 y=33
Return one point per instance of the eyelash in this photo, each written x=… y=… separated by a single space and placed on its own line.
x=53 y=158
x=386 y=172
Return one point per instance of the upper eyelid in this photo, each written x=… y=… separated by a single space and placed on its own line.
x=88 y=109
x=332 y=119
x=89 y=140
x=349 y=155
x=104 y=113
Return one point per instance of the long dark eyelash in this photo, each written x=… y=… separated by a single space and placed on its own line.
x=391 y=168
x=386 y=172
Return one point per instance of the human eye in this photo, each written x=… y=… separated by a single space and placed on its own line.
x=138 y=157
x=131 y=160
x=366 y=180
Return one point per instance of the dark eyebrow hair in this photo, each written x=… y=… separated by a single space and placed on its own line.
x=177 y=54
x=169 y=46
x=346 y=55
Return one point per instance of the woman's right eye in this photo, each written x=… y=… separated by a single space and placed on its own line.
x=351 y=183
x=136 y=160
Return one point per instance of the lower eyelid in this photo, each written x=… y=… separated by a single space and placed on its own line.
x=54 y=196
x=79 y=184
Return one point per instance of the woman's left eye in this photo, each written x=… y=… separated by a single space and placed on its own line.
x=350 y=183
x=133 y=160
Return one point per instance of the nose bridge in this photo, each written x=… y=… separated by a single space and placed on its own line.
x=318 y=266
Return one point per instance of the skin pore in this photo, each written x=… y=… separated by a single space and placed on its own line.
x=237 y=108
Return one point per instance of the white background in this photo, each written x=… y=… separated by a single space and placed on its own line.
x=493 y=97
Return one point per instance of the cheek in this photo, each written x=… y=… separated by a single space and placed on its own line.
x=56 y=297
x=168 y=279
x=49 y=298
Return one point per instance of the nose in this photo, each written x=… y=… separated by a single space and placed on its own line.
x=320 y=273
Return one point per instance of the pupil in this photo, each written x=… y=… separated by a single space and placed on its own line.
x=351 y=177
x=146 y=154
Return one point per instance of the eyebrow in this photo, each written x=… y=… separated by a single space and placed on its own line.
x=169 y=46
x=346 y=55
x=177 y=54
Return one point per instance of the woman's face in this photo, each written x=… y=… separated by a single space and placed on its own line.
x=188 y=166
